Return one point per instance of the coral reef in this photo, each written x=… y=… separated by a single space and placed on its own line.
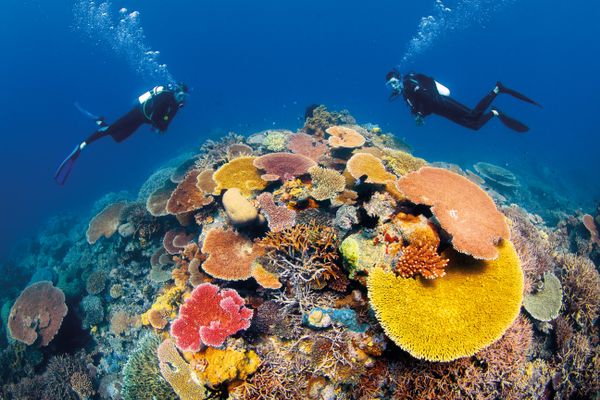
x=376 y=275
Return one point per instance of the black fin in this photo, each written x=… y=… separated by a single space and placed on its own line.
x=512 y=123
x=515 y=94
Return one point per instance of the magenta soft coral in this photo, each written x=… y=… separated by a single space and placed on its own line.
x=208 y=317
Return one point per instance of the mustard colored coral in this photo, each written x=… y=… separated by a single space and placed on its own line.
x=215 y=366
x=239 y=173
x=454 y=316
x=165 y=306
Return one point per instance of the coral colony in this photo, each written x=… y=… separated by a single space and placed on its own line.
x=327 y=263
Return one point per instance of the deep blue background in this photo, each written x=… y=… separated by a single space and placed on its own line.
x=254 y=65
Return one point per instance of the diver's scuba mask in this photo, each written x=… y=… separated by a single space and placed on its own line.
x=180 y=92
x=396 y=86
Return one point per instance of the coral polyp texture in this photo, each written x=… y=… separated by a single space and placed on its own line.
x=452 y=317
x=208 y=317
x=463 y=209
x=38 y=312
x=324 y=263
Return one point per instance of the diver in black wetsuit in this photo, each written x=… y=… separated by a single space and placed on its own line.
x=156 y=107
x=425 y=96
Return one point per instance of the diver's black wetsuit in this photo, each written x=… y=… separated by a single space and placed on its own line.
x=421 y=94
x=158 y=111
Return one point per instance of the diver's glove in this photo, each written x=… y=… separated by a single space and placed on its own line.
x=419 y=120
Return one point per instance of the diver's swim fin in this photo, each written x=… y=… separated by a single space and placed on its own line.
x=98 y=120
x=511 y=122
x=65 y=168
x=514 y=93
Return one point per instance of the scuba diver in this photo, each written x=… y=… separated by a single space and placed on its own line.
x=426 y=96
x=156 y=107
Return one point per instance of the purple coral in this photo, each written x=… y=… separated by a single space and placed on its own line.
x=283 y=166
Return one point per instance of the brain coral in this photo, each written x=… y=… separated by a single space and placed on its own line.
x=452 y=317
x=38 y=312
x=105 y=223
x=239 y=173
x=462 y=208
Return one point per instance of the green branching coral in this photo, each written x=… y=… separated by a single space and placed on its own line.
x=141 y=375
x=544 y=305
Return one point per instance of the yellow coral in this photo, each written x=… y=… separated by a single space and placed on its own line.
x=401 y=162
x=239 y=173
x=362 y=164
x=178 y=373
x=215 y=366
x=166 y=305
x=451 y=317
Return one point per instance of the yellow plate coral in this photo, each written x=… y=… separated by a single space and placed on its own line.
x=454 y=316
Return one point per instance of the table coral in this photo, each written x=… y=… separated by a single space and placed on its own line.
x=187 y=196
x=344 y=137
x=307 y=145
x=105 y=223
x=463 y=209
x=544 y=305
x=230 y=255
x=208 y=317
x=364 y=164
x=456 y=316
x=239 y=173
x=283 y=166
x=401 y=162
x=37 y=313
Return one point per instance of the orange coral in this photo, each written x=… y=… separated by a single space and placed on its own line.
x=264 y=278
x=462 y=208
x=344 y=137
x=362 y=164
x=420 y=258
x=105 y=223
x=416 y=228
x=187 y=197
x=230 y=255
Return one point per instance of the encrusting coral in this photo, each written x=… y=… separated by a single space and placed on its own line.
x=452 y=317
x=544 y=305
x=177 y=372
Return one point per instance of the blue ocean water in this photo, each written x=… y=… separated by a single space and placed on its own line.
x=257 y=65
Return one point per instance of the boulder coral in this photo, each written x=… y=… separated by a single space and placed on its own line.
x=105 y=223
x=463 y=209
x=453 y=317
x=208 y=317
x=239 y=209
x=37 y=313
x=239 y=173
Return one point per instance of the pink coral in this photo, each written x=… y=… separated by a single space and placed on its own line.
x=278 y=217
x=283 y=166
x=175 y=241
x=462 y=208
x=208 y=317
x=590 y=225
x=38 y=312
x=307 y=145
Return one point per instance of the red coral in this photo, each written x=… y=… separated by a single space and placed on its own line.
x=283 y=166
x=208 y=317
x=278 y=217
x=38 y=312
